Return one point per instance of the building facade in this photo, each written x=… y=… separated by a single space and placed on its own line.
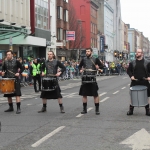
x=62 y=9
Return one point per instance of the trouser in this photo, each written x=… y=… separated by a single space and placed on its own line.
x=37 y=78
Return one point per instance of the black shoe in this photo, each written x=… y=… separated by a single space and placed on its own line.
x=10 y=109
x=130 y=112
x=62 y=109
x=39 y=89
x=97 y=112
x=36 y=91
x=84 y=111
x=42 y=110
x=147 y=109
x=18 y=111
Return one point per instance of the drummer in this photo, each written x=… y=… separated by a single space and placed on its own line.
x=139 y=72
x=10 y=70
x=90 y=89
x=51 y=65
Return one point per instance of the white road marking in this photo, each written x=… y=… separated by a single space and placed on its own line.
x=47 y=136
x=128 y=84
x=138 y=141
x=123 y=88
x=90 y=108
x=70 y=94
x=103 y=100
x=124 y=77
x=102 y=94
x=116 y=92
x=29 y=104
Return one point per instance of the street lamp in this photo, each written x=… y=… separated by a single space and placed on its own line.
x=80 y=23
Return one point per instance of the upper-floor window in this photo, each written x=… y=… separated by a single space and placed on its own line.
x=59 y=12
x=41 y=14
x=66 y=15
x=66 y=1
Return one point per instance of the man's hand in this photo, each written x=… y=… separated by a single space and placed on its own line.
x=58 y=74
x=132 y=78
x=96 y=66
x=3 y=73
x=81 y=71
x=148 y=78
x=43 y=74
x=17 y=74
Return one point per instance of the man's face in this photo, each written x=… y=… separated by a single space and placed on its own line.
x=35 y=60
x=88 y=53
x=139 y=53
x=9 y=56
x=50 y=55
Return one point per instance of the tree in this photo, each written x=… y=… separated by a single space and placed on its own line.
x=75 y=24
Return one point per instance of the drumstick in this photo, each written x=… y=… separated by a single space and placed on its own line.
x=51 y=75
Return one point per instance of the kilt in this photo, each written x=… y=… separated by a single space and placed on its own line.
x=17 y=89
x=142 y=82
x=55 y=94
x=89 y=89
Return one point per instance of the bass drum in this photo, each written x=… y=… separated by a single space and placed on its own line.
x=7 y=85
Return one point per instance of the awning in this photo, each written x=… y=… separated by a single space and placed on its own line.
x=19 y=36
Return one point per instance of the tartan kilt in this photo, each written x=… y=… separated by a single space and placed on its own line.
x=55 y=94
x=89 y=89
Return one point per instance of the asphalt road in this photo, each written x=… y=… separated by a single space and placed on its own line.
x=73 y=131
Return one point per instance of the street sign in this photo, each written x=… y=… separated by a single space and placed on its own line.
x=10 y=41
x=95 y=52
x=132 y=56
x=102 y=44
x=70 y=35
x=59 y=44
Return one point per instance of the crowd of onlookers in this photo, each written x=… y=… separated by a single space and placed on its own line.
x=72 y=69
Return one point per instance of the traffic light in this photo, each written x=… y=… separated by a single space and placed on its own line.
x=120 y=55
x=123 y=55
x=115 y=54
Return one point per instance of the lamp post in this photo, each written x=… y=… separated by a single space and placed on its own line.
x=80 y=23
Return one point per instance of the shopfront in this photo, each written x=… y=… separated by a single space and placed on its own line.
x=63 y=55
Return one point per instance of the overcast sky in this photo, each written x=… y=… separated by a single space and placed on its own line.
x=137 y=14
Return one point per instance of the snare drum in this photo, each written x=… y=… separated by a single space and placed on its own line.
x=88 y=79
x=139 y=96
x=49 y=84
x=7 y=85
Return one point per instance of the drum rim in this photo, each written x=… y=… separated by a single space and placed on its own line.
x=8 y=78
x=48 y=78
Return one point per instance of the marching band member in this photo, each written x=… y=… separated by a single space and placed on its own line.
x=137 y=70
x=89 y=89
x=51 y=66
x=10 y=70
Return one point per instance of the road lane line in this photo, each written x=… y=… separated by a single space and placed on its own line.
x=70 y=94
x=116 y=92
x=29 y=104
x=123 y=88
x=128 y=84
x=80 y=115
x=47 y=136
x=102 y=94
x=103 y=100
x=124 y=77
